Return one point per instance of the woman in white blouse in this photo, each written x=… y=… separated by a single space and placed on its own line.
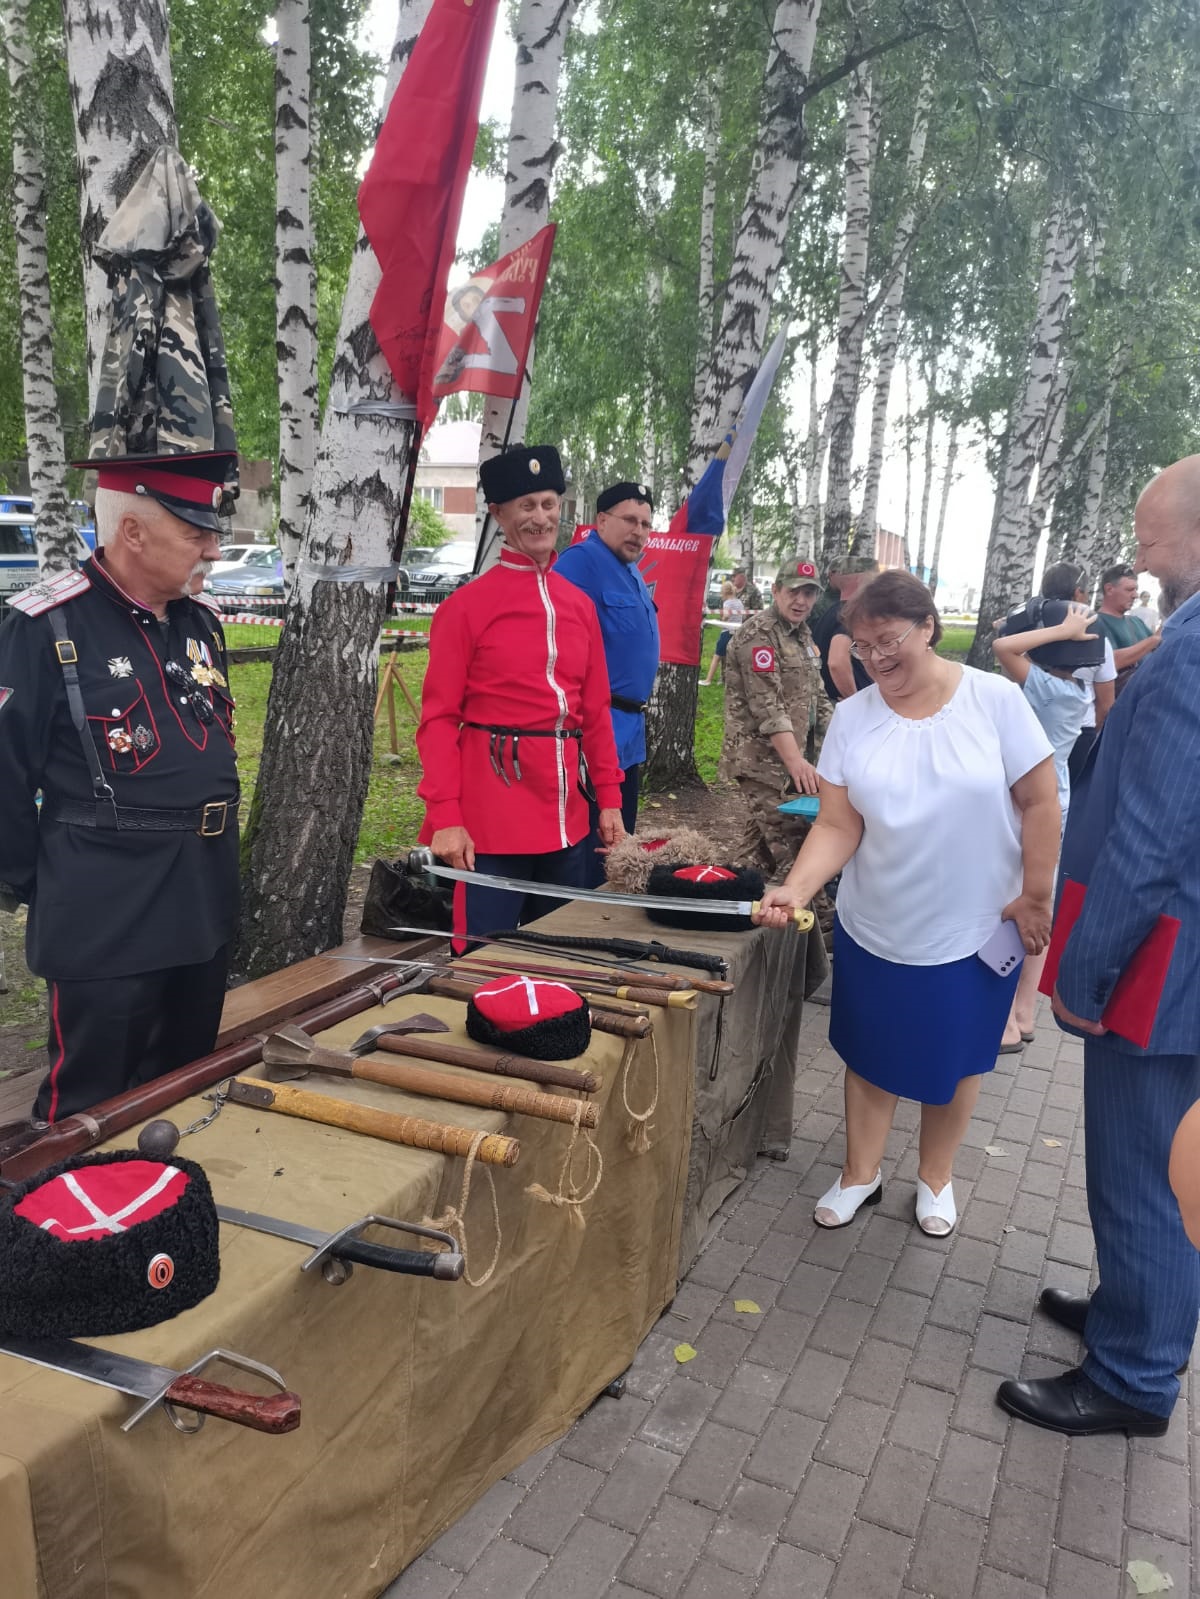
x=939 y=808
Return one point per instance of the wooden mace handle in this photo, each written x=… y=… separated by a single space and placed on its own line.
x=603 y=1022
x=492 y=1096
x=274 y=1413
x=481 y=1059
x=417 y=1133
x=666 y=999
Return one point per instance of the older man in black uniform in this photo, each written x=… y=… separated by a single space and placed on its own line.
x=115 y=707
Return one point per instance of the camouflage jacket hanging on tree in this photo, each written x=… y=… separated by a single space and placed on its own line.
x=164 y=384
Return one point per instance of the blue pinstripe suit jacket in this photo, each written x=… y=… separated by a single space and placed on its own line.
x=1133 y=837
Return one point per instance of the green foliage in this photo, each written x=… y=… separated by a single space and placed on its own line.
x=426 y=526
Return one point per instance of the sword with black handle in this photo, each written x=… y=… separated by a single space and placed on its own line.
x=160 y=1385
x=336 y=1253
x=425 y=862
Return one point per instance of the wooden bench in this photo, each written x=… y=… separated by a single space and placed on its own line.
x=266 y=1001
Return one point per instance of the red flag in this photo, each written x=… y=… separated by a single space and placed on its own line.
x=490 y=320
x=411 y=198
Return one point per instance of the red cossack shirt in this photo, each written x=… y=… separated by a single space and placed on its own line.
x=517 y=648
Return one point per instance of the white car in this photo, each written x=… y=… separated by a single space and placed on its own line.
x=243 y=557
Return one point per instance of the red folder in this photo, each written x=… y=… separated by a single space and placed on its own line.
x=1133 y=1004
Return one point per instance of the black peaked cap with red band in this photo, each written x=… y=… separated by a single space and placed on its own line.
x=106 y=1244
x=530 y=1016
x=196 y=488
x=703 y=881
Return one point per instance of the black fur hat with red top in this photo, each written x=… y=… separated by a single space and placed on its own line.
x=700 y=882
x=530 y=1016
x=106 y=1244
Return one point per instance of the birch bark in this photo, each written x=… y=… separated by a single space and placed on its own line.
x=57 y=541
x=1008 y=571
x=852 y=319
x=892 y=315
x=927 y=480
x=317 y=742
x=119 y=71
x=956 y=387
x=295 y=276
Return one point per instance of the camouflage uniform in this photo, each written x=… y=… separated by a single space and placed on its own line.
x=772 y=685
x=163 y=388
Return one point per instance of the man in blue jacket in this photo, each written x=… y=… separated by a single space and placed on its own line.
x=604 y=566
x=1133 y=838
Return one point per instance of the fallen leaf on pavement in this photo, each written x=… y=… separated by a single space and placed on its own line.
x=748 y=1306
x=1052 y=1143
x=994 y=1149
x=684 y=1353
x=1147 y=1578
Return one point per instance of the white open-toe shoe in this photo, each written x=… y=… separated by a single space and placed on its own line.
x=936 y=1213
x=840 y=1205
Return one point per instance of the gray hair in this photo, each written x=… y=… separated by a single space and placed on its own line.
x=113 y=504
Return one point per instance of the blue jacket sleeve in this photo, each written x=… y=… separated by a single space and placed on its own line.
x=1151 y=841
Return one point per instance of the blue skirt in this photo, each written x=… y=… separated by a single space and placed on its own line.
x=916 y=1031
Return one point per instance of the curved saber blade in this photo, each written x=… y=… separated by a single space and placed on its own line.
x=421 y=860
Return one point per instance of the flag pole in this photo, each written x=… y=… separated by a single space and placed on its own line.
x=487 y=515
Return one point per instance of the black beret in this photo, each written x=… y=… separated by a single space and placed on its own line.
x=701 y=882
x=620 y=492
x=523 y=469
x=1065 y=653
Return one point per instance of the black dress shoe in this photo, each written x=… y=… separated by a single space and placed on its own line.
x=1073 y=1404
x=1068 y=1310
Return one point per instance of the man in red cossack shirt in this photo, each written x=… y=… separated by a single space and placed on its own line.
x=515 y=721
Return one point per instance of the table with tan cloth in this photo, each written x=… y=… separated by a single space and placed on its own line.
x=417 y=1394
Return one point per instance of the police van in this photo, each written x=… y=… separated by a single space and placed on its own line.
x=18 y=546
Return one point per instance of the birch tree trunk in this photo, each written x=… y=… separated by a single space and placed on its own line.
x=56 y=538
x=319 y=733
x=1008 y=571
x=762 y=232
x=1088 y=544
x=908 y=460
x=119 y=70
x=541 y=36
x=890 y=320
x=927 y=483
x=956 y=387
x=814 y=454
x=295 y=277
x=706 y=295
x=1049 y=474
x=852 y=320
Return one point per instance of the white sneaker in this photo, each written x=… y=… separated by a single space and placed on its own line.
x=936 y=1213
x=840 y=1205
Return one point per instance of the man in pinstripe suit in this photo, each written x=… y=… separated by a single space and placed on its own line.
x=1133 y=837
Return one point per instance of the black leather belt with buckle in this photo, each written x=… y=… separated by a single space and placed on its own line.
x=209 y=820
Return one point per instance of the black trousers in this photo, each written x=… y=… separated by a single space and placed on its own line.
x=1080 y=751
x=594 y=863
x=110 y=1033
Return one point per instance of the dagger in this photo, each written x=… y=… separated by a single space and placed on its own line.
x=160 y=1385
x=423 y=861
x=335 y=1253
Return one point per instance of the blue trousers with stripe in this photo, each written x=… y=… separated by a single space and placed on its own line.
x=1142 y=1318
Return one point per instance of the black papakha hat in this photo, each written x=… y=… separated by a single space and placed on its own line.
x=544 y=1020
x=1065 y=654
x=618 y=493
x=523 y=469
x=704 y=881
x=106 y=1244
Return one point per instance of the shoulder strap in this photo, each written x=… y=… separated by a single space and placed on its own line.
x=68 y=659
x=54 y=591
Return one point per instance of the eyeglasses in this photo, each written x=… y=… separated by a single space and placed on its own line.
x=863 y=652
x=183 y=679
x=634 y=522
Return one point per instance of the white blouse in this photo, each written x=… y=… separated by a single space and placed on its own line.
x=940 y=855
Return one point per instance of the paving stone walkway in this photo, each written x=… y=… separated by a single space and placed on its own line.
x=844 y=1440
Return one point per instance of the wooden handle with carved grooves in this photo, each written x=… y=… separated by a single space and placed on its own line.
x=474 y=1091
x=495 y=1150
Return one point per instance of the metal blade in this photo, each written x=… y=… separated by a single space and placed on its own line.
x=520 y=885
x=295 y=1231
x=102 y=1366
